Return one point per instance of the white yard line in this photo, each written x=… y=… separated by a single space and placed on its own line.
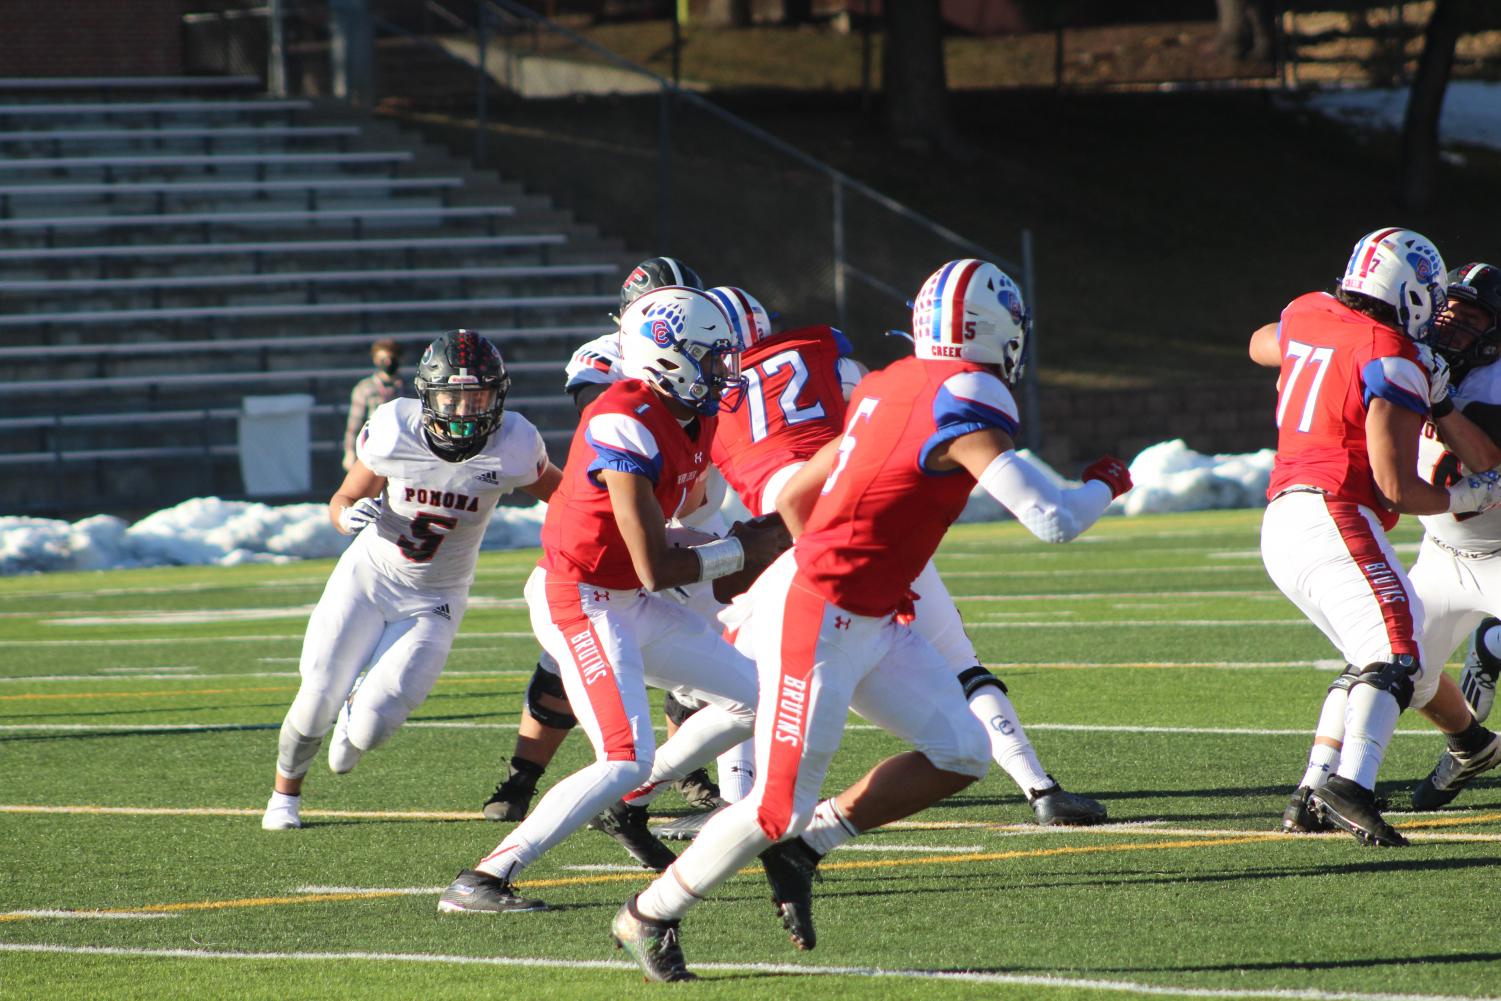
x=869 y=972
x=264 y=638
x=98 y=915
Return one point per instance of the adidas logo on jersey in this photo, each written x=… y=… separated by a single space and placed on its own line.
x=489 y=476
x=443 y=612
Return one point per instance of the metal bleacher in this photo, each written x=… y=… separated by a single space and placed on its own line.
x=171 y=246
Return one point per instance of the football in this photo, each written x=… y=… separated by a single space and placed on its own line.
x=765 y=538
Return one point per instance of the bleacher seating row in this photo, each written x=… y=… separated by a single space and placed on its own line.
x=171 y=246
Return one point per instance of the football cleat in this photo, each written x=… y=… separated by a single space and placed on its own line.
x=1056 y=808
x=281 y=813
x=1352 y=807
x=1300 y=817
x=699 y=790
x=652 y=944
x=627 y=824
x=475 y=892
x=684 y=828
x=791 y=866
x=512 y=798
x=1477 y=681
x=1453 y=772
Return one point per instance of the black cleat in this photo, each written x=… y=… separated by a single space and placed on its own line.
x=1300 y=817
x=627 y=824
x=1354 y=808
x=475 y=892
x=1056 y=808
x=699 y=790
x=512 y=798
x=1453 y=772
x=791 y=866
x=652 y=944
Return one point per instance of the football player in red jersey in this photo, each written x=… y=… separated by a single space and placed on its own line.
x=826 y=623
x=797 y=384
x=636 y=458
x=1353 y=395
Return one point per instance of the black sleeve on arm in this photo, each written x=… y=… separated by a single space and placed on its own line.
x=1486 y=416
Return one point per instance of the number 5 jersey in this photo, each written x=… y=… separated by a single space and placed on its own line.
x=1334 y=362
x=435 y=512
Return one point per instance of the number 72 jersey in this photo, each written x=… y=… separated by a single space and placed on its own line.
x=436 y=512
x=794 y=403
x=1335 y=361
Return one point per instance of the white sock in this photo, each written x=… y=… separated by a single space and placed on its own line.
x=737 y=771
x=284 y=799
x=828 y=829
x=1323 y=758
x=567 y=806
x=1009 y=745
x=1370 y=721
x=728 y=842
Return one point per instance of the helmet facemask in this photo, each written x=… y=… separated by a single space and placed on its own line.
x=1467 y=331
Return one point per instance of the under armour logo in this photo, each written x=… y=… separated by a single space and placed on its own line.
x=601 y=596
x=840 y=622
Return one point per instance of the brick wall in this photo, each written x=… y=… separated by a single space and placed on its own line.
x=1080 y=424
x=90 y=38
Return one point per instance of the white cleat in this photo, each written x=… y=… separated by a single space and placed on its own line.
x=281 y=813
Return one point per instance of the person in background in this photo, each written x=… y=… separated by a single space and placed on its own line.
x=379 y=387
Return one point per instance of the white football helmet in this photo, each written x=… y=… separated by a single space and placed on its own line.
x=747 y=315
x=680 y=340
x=1404 y=270
x=971 y=310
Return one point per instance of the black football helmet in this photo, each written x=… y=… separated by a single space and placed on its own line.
x=1464 y=343
x=462 y=383
x=657 y=272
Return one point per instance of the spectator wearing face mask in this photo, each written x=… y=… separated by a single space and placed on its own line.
x=381 y=386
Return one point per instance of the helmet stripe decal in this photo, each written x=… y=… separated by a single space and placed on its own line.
x=967 y=271
x=1375 y=242
x=938 y=300
x=752 y=333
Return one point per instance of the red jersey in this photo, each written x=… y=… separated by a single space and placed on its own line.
x=794 y=404
x=881 y=515
x=1334 y=362
x=628 y=428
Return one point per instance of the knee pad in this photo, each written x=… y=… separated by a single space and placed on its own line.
x=975 y=678
x=1391 y=676
x=676 y=711
x=1346 y=679
x=546 y=683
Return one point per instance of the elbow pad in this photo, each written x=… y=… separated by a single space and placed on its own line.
x=1052 y=514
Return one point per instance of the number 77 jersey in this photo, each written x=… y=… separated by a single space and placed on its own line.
x=1335 y=361
x=794 y=403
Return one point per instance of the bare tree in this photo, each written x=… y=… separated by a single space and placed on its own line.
x=1247 y=29
x=917 y=96
x=1420 y=160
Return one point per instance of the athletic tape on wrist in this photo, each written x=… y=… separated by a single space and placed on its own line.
x=720 y=557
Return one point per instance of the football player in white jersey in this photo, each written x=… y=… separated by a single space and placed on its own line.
x=418 y=498
x=546 y=716
x=1457 y=576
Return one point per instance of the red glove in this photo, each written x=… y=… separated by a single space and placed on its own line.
x=1110 y=471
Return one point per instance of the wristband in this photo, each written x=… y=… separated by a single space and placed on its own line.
x=718 y=558
x=1443 y=408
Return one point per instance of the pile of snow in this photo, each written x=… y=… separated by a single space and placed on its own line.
x=1168 y=477
x=1470 y=113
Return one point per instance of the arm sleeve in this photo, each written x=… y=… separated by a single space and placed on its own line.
x=1397 y=381
x=623 y=444
x=1050 y=513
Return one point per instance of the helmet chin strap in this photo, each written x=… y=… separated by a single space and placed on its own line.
x=450 y=451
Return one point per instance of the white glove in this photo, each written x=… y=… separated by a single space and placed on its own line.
x=367 y=509
x=1438 y=374
x=1476 y=492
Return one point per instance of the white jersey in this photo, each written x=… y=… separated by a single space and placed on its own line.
x=596 y=361
x=1467 y=533
x=435 y=512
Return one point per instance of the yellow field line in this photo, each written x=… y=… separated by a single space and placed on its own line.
x=174 y=693
x=626 y=877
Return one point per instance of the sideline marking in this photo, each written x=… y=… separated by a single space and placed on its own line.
x=872 y=972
